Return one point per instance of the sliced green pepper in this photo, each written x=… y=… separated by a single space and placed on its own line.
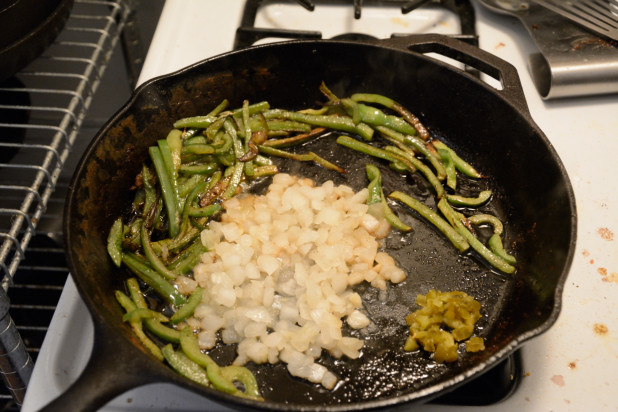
x=442 y=225
x=376 y=195
x=114 y=241
x=457 y=200
x=188 y=308
x=184 y=366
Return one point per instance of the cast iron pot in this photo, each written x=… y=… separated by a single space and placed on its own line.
x=491 y=128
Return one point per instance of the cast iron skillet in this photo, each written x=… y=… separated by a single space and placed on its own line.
x=492 y=129
x=27 y=27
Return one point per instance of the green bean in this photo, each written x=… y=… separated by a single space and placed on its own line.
x=495 y=244
x=174 y=142
x=376 y=196
x=223 y=142
x=263 y=161
x=398 y=167
x=432 y=217
x=186 y=261
x=169 y=195
x=201 y=122
x=198 y=122
x=374 y=151
x=482 y=218
x=188 y=308
x=114 y=241
x=153 y=279
x=199 y=188
x=196 y=140
x=219 y=108
x=266 y=170
x=393 y=105
x=129 y=306
x=213 y=130
x=254 y=108
x=149 y=189
x=189 y=184
x=305 y=157
x=323 y=88
x=236 y=177
x=198 y=149
x=184 y=366
x=491 y=258
x=189 y=133
x=376 y=117
x=460 y=164
x=202 y=169
x=169 y=162
x=131 y=239
x=419 y=146
x=299 y=138
x=482 y=198
x=138 y=199
x=236 y=143
x=449 y=167
x=154 y=260
x=177 y=243
x=422 y=168
x=330 y=121
x=207 y=211
x=282 y=125
x=226 y=159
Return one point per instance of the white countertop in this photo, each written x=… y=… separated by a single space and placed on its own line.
x=572 y=367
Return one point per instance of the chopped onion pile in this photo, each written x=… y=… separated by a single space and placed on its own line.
x=278 y=273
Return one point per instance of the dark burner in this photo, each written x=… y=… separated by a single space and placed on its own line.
x=12 y=98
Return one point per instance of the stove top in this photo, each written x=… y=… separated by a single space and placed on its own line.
x=556 y=371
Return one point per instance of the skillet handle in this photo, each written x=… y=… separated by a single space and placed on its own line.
x=110 y=371
x=470 y=55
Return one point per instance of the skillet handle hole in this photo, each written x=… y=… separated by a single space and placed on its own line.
x=462 y=61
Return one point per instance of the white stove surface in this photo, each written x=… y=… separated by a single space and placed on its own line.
x=572 y=367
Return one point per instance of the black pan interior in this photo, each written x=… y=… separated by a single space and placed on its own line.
x=533 y=197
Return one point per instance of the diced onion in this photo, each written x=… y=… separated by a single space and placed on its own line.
x=277 y=278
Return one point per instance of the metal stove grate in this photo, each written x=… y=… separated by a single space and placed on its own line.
x=248 y=33
x=39 y=128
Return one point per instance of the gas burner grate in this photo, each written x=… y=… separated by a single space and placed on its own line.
x=248 y=33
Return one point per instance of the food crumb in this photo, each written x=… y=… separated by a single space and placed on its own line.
x=558 y=380
x=606 y=233
x=585 y=253
x=500 y=45
x=608 y=277
x=600 y=329
x=572 y=365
